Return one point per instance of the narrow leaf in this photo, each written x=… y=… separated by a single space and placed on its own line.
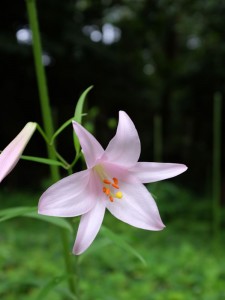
x=50 y=285
x=121 y=243
x=60 y=222
x=43 y=160
x=14 y=212
x=78 y=116
x=31 y=212
x=61 y=128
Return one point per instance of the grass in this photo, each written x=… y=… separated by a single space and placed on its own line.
x=181 y=261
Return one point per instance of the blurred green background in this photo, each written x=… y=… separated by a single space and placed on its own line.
x=160 y=61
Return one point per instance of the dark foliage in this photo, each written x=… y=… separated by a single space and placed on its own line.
x=169 y=61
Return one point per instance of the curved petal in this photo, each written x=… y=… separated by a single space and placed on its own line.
x=89 y=226
x=90 y=146
x=151 y=172
x=119 y=172
x=11 y=154
x=124 y=149
x=137 y=207
x=72 y=196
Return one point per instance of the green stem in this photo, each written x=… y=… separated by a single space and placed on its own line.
x=48 y=124
x=42 y=84
x=65 y=164
x=217 y=112
x=68 y=259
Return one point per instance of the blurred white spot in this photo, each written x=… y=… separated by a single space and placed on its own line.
x=193 y=42
x=148 y=69
x=111 y=34
x=96 y=36
x=24 y=36
x=108 y=35
x=46 y=59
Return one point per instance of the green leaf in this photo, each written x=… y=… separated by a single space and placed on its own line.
x=60 y=222
x=14 y=212
x=31 y=212
x=43 y=160
x=121 y=243
x=95 y=247
x=61 y=128
x=78 y=116
x=51 y=284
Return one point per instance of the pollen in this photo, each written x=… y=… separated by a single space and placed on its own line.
x=115 y=180
x=115 y=186
x=107 y=192
x=109 y=186
x=106 y=181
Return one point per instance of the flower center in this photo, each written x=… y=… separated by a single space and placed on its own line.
x=110 y=186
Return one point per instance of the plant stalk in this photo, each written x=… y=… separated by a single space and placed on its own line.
x=48 y=125
x=217 y=114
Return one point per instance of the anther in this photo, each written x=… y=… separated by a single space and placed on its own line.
x=106 y=181
x=115 y=180
x=107 y=191
x=115 y=186
x=111 y=198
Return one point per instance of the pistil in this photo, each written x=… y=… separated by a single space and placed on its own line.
x=108 y=184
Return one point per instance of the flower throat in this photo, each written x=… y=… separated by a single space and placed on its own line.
x=110 y=185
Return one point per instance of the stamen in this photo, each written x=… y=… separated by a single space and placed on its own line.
x=115 y=186
x=109 y=184
x=106 y=181
x=107 y=191
x=115 y=180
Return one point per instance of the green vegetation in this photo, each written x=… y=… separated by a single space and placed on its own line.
x=181 y=261
x=164 y=65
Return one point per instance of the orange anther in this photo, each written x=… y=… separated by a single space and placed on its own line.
x=106 y=181
x=115 y=180
x=115 y=186
x=107 y=191
x=111 y=198
x=104 y=189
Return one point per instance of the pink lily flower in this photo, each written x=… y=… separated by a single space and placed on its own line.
x=114 y=180
x=11 y=154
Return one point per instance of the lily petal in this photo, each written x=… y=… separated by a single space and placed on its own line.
x=11 y=154
x=151 y=172
x=90 y=146
x=137 y=207
x=71 y=196
x=89 y=226
x=124 y=149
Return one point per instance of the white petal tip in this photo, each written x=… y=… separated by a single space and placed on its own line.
x=160 y=226
x=77 y=251
x=184 y=168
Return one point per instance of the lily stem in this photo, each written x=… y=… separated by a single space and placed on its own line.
x=217 y=114
x=48 y=125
